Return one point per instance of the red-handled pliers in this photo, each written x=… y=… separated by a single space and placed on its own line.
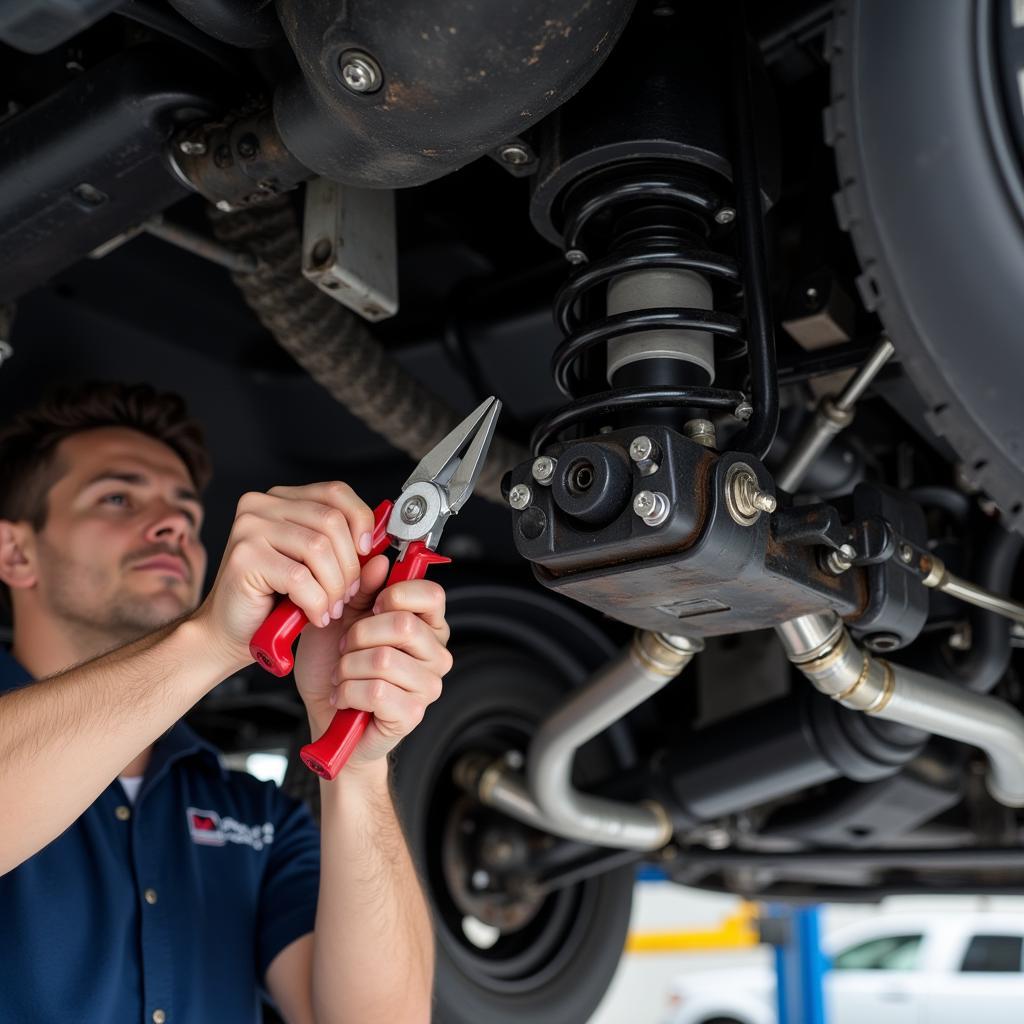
x=438 y=488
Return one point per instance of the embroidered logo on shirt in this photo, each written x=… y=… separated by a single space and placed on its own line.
x=208 y=828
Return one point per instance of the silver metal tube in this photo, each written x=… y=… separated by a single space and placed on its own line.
x=547 y=799
x=832 y=416
x=978 y=596
x=821 y=648
x=859 y=382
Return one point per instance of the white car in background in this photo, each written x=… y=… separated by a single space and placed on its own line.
x=950 y=968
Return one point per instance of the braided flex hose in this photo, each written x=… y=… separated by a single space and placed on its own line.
x=336 y=348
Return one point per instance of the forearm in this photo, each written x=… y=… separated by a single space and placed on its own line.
x=373 y=957
x=65 y=738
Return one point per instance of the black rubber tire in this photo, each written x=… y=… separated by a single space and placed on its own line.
x=566 y=990
x=932 y=193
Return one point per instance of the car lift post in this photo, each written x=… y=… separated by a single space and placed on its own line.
x=800 y=965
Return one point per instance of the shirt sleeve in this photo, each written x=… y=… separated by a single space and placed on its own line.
x=288 y=894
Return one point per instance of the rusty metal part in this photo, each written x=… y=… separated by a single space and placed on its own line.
x=236 y=163
x=457 y=78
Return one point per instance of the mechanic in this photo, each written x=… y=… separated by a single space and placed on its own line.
x=140 y=880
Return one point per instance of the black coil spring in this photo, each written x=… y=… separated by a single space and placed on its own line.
x=584 y=334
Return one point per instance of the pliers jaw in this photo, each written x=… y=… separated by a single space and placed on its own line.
x=444 y=479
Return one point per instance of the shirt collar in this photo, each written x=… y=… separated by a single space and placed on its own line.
x=178 y=742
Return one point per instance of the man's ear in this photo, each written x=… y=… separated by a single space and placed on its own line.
x=17 y=555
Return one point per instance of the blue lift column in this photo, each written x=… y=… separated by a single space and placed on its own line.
x=800 y=965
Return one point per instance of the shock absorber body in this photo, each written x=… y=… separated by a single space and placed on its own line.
x=637 y=503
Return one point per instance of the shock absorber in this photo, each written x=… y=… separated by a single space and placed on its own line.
x=644 y=200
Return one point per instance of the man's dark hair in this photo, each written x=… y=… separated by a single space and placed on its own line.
x=28 y=463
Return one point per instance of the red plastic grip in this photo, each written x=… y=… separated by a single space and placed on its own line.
x=271 y=644
x=327 y=756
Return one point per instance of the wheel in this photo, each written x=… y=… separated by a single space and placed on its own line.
x=927 y=124
x=503 y=958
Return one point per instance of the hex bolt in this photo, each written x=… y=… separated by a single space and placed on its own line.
x=576 y=256
x=652 y=507
x=726 y=215
x=519 y=497
x=543 y=470
x=360 y=72
x=414 y=510
x=839 y=561
x=515 y=154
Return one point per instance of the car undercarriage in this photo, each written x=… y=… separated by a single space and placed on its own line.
x=748 y=285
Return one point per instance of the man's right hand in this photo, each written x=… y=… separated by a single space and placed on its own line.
x=303 y=542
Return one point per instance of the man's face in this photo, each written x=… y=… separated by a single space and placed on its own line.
x=120 y=551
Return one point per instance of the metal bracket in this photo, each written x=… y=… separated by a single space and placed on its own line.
x=349 y=249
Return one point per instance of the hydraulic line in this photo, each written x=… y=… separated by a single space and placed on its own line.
x=336 y=347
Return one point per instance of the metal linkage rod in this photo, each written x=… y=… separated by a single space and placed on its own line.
x=831 y=416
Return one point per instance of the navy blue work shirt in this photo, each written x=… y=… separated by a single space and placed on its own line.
x=168 y=910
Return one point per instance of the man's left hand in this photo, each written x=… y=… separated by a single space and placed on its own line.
x=386 y=655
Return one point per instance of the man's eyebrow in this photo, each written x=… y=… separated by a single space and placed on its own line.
x=139 y=480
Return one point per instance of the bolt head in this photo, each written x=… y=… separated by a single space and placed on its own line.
x=414 y=510
x=643 y=504
x=515 y=154
x=726 y=215
x=543 y=469
x=192 y=147
x=360 y=72
x=743 y=411
x=480 y=879
x=640 y=448
x=519 y=497
x=576 y=256
x=906 y=553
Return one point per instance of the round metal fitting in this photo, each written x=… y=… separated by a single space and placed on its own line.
x=576 y=256
x=519 y=497
x=652 y=507
x=414 y=509
x=743 y=496
x=640 y=448
x=515 y=154
x=192 y=147
x=701 y=431
x=360 y=72
x=906 y=553
x=881 y=642
x=543 y=469
x=743 y=411
x=726 y=215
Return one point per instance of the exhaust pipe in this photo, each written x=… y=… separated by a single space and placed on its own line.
x=546 y=799
x=821 y=648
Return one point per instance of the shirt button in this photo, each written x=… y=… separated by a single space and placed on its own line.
x=159 y=1017
x=150 y=897
x=123 y=813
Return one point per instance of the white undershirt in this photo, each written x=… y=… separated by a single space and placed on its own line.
x=131 y=785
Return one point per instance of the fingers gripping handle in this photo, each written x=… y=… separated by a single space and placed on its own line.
x=327 y=756
x=271 y=644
